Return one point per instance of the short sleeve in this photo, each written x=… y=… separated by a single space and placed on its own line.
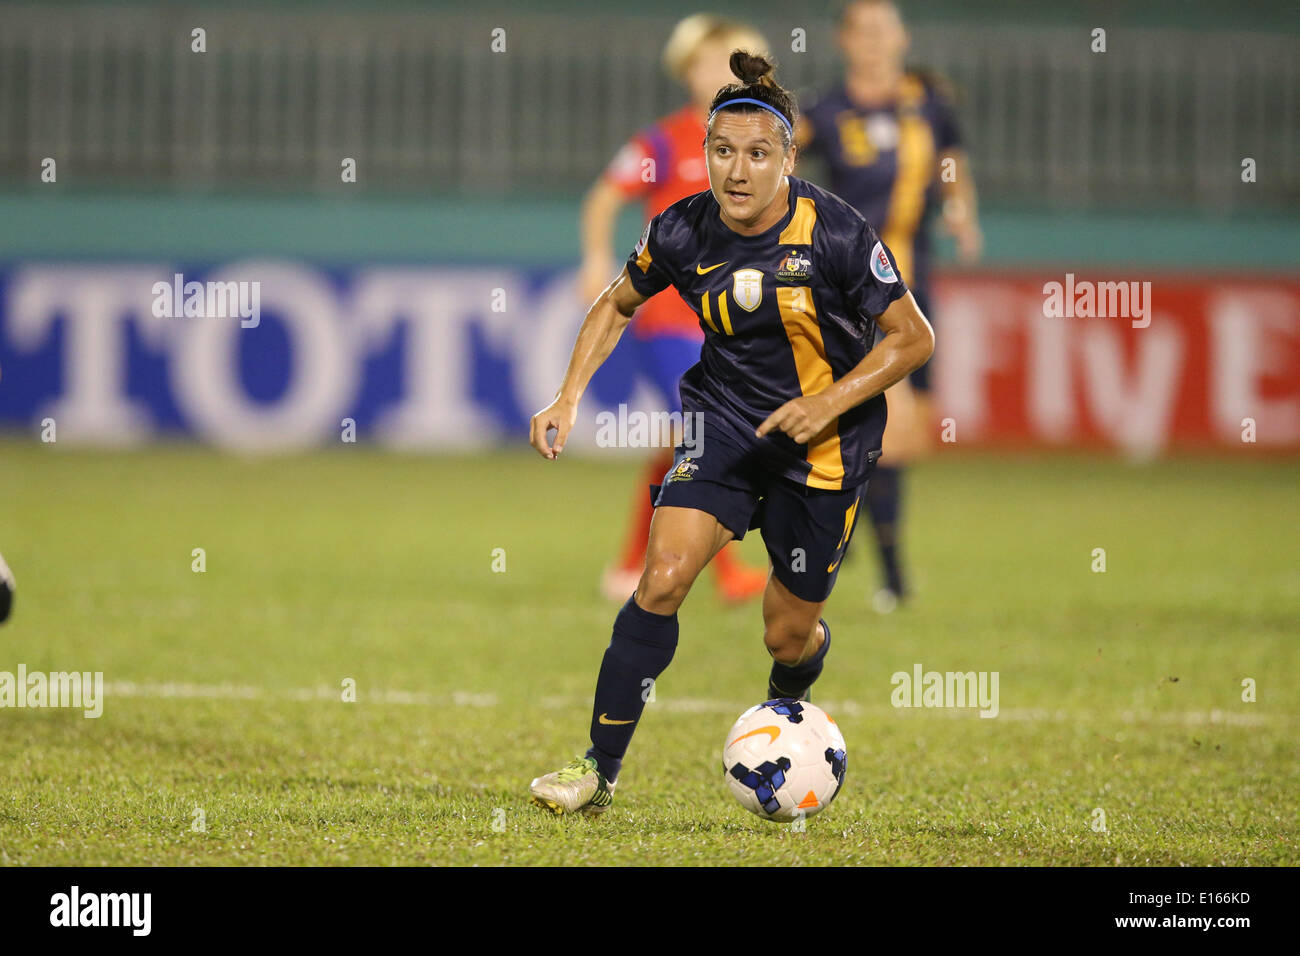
x=871 y=279
x=645 y=266
x=626 y=171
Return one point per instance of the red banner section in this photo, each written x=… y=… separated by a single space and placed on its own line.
x=1141 y=364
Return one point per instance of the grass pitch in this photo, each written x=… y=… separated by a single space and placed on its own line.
x=225 y=739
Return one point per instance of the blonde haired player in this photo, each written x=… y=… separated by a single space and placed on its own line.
x=660 y=165
x=889 y=137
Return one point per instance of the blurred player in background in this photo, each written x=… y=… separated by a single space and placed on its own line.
x=662 y=164
x=890 y=142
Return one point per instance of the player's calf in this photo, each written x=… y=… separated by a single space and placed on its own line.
x=795 y=679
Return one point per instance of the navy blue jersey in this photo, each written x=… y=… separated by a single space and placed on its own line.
x=884 y=161
x=784 y=314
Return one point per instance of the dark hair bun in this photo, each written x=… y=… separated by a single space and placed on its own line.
x=751 y=68
x=756 y=83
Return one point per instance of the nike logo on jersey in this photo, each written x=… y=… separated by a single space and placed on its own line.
x=700 y=271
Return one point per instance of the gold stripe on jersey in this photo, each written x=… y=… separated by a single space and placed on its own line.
x=707 y=312
x=799 y=317
x=799 y=232
x=857 y=149
x=911 y=92
x=643 y=260
x=916 y=159
x=724 y=314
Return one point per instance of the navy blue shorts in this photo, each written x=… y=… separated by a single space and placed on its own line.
x=806 y=530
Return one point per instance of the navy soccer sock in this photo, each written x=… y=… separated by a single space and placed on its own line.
x=640 y=649
x=787 y=681
x=884 y=495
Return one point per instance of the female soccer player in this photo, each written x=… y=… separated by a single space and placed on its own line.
x=893 y=151
x=659 y=166
x=789 y=283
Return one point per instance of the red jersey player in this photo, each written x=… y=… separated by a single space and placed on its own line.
x=661 y=164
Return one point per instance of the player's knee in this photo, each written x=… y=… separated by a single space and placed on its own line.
x=665 y=583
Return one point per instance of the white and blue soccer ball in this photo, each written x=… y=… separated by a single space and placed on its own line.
x=784 y=759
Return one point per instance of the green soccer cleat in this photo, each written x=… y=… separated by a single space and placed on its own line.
x=577 y=788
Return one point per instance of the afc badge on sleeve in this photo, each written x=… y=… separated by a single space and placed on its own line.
x=881 y=267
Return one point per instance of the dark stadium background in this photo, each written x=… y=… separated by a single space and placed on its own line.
x=1122 y=165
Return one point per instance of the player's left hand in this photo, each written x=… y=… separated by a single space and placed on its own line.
x=558 y=416
x=970 y=241
x=803 y=419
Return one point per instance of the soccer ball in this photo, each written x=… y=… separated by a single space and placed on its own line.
x=784 y=759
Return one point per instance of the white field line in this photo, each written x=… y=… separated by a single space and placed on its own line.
x=686 y=705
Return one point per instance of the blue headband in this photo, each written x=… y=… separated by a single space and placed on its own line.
x=775 y=112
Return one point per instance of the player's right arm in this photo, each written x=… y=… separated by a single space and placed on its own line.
x=608 y=316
